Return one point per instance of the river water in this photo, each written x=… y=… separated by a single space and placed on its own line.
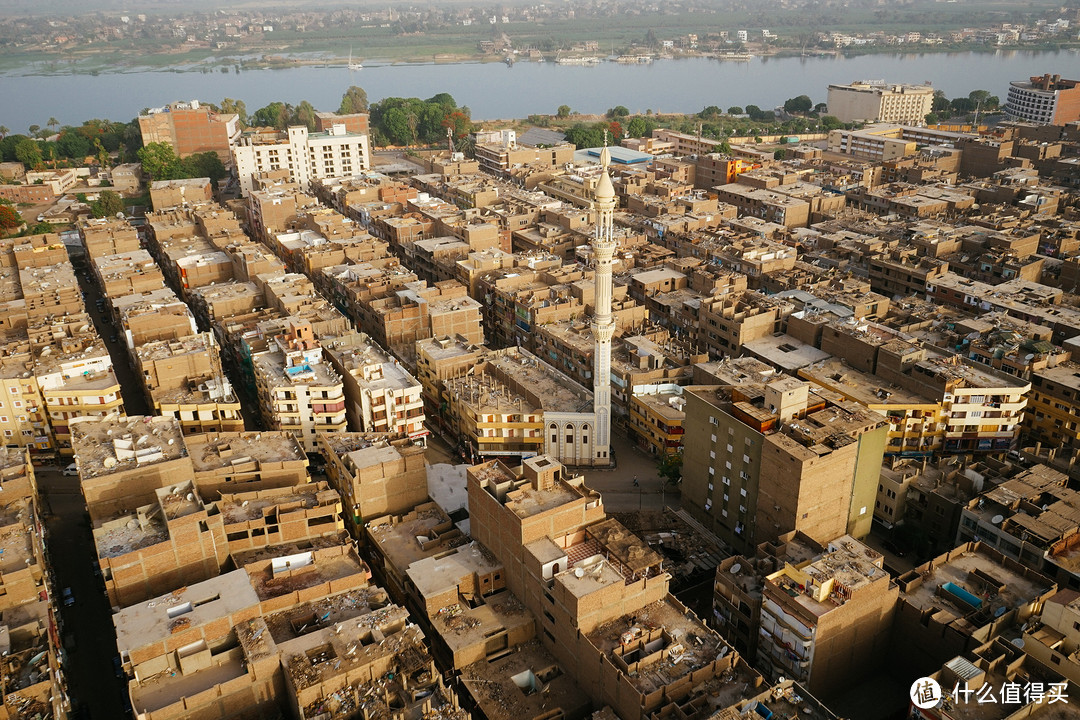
x=493 y=90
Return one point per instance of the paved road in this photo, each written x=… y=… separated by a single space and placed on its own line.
x=86 y=626
x=617 y=486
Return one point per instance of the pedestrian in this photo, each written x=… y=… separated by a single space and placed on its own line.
x=635 y=481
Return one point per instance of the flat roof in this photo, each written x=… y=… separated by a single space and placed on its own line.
x=400 y=541
x=494 y=684
x=191 y=606
x=700 y=644
x=116 y=444
x=297 y=621
x=436 y=575
x=785 y=351
x=214 y=451
x=963 y=567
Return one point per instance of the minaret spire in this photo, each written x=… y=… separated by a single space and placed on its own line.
x=603 y=326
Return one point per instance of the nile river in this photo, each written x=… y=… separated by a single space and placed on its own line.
x=493 y=90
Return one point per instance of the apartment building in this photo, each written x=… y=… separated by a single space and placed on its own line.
x=780 y=456
x=655 y=422
x=23 y=565
x=380 y=395
x=768 y=205
x=1046 y=100
x=107 y=236
x=239 y=462
x=297 y=388
x=513 y=404
x=178 y=193
x=886 y=142
x=398 y=319
x=375 y=473
x=24 y=421
x=537 y=522
x=501 y=155
x=960 y=600
x=77 y=381
x=1055 y=638
x=978 y=408
x=190 y=128
x=887 y=103
x=244 y=644
x=1052 y=415
x=737 y=587
x=184 y=379
x=826 y=622
x=904 y=274
x=305 y=156
x=437 y=360
x=726 y=322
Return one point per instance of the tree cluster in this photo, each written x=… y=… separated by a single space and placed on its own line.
x=976 y=101
x=160 y=162
x=411 y=121
x=93 y=141
x=592 y=134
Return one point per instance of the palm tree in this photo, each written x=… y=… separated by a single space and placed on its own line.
x=4 y=130
x=53 y=122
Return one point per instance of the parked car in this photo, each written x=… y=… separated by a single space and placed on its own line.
x=894 y=548
x=71 y=469
x=68 y=597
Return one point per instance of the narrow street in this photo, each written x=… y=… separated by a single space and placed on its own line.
x=131 y=388
x=86 y=626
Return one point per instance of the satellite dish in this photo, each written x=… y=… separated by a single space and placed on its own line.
x=190 y=497
x=736 y=568
x=578 y=572
x=109 y=462
x=999 y=612
x=996 y=520
x=1018 y=642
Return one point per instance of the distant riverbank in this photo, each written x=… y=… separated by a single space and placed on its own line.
x=494 y=90
x=206 y=61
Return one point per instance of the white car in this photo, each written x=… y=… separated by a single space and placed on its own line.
x=70 y=470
